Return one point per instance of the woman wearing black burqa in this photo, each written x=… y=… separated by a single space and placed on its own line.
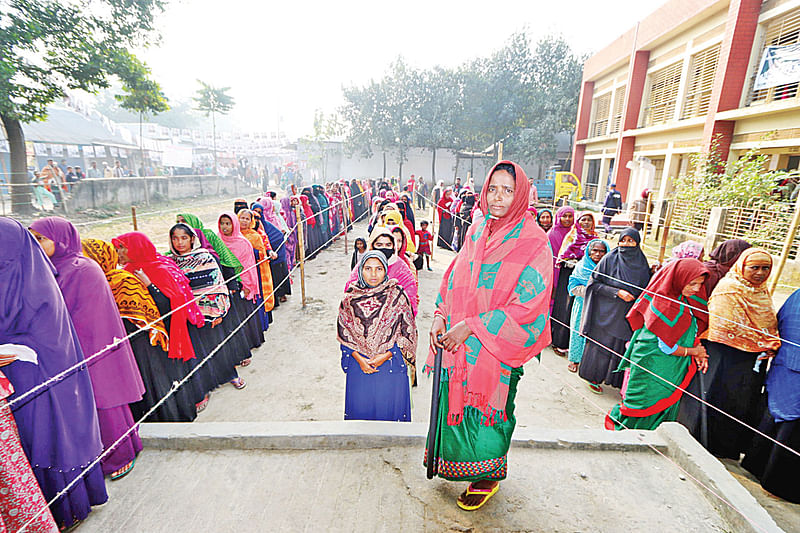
x=614 y=286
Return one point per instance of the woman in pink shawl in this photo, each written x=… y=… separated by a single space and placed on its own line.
x=491 y=318
x=571 y=251
x=382 y=239
x=231 y=234
x=116 y=381
x=565 y=218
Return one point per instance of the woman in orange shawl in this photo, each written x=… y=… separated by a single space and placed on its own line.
x=742 y=334
x=492 y=316
x=261 y=244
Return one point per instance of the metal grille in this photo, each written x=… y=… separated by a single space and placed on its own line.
x=619 y=108
x=602 y=105
x=690 y=218
x=782 y=30
x=701 y=82
x=766 y=228
x=663 y=96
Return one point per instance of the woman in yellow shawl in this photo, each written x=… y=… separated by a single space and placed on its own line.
x=261 y=244
x=150 y=345
x=742 y=334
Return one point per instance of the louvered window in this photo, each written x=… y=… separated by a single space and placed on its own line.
x=701 y=82
x=663 y=95
x=601 y=105
x=619 y=107
x=780 y=31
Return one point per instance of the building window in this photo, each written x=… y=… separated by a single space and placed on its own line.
x=600 y=107
x=663 y=96
x=619 y=107
x=701 y=82
x=592 y=179
x=782 y=30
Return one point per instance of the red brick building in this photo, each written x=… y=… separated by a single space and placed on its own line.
x=682 y=77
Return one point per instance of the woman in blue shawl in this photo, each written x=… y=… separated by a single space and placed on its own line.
x=319 y=194
x=58 y=425
x=594 y=252
x=278 y=267
x=777 y=468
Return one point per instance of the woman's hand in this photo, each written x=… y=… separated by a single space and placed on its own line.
x=216 y=322
x=7 y=359
x=363 y=363
x=700 y=356
x=246 y=293
x=439 y=327
x=377 y=360
x=142 y=277
x=272 y=255
x=456 y=336
x=625 y=295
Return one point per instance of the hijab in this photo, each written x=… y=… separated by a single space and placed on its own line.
x=736 y=302
x=500 y=284
x=133 y=300
x=169 y=279
x=663 y=309
x=557 y=233
x=583 y=270
x=539 y=219
x=239 y=204
x=226 y=257
x=576 y=240
x=243 y=250
x=688 y=249
x=374 y=320
x=91 y=305
x=722 y=259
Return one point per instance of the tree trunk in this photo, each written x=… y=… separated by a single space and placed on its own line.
x=400 y=173
x=472 y=166
x=455 y=170
x=384 y=164
x=214 y=141
x=433 y=164
x=141 y=144
x=20 y=194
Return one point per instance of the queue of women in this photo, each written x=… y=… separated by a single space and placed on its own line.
x=95 y=336
x=648 y=332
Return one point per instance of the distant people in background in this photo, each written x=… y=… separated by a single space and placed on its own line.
x=119 y=172
x=359 y=248
x=94 y=172
x=79 y=174
x=611 y=206
x=457 y=186
x=545 y=219
x=424 y=240
x=637 y=211
x=107 y=171
x=422 y=193
x=533 y=196
x=63 y=167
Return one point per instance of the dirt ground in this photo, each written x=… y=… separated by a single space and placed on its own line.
x=296 y=374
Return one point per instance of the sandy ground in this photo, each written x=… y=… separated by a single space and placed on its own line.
x=296 y=374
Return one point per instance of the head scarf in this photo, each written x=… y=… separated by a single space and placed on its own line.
x=370 y=254
x=58 y=426
x=722 y=259
x=500 y=283
x=576 y=240
x=133 y=300
x=558 y=232
x=243 y=250
x=687 y=249
x=115 y=374
x=226 y=257
x=373 y=320
x=662 y=308
x=239 y=204
x=271 y=215
x=169 y=279
x=539 y=219
x=583 y=270
x=736 y=302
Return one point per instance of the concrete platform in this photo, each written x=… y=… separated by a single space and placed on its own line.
x=339 y=476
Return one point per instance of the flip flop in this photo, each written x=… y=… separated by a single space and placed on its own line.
x=126 y=471
x=572 y=367
x=597 y=389
x=486 y=493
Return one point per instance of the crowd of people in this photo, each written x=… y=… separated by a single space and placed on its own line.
x=111 y=327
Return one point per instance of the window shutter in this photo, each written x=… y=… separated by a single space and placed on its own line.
x=619 y=108
x=701 y=82
x=601 y=109
x=663 y=97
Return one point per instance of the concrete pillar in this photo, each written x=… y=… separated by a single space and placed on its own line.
x=716 y=223
x=582 y=126
x=729 y=80
x=634 y=92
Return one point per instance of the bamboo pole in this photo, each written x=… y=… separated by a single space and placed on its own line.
x=302 y=247
x=648 y=211
x=499 y=151
x=133 y=218
x=787 y=247
x=665 y=235
x=345 y=218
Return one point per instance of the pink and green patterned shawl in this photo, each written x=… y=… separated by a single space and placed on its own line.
x=500 y=284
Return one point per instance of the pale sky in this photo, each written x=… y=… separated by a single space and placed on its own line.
x=289 y=58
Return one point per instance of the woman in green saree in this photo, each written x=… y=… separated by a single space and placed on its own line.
x=492 y=316
x=667 y=320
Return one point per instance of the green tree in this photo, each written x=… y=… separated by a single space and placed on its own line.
x=50 y=46
x=212 y=101
x=438 y=97
x=141 y=95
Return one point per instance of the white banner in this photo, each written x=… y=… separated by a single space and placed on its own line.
x=779 y=65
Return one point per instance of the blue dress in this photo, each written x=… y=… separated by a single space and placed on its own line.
x=383 y=395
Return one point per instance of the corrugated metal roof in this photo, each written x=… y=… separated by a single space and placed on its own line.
x=66 y=126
